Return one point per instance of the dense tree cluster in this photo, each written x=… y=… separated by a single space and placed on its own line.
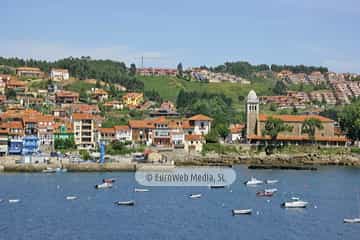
x=153 y=95
x=247 y=70
x=84 y=68
x=350 y=120
x=298 y=68
x=242 y=68
x=217 y=106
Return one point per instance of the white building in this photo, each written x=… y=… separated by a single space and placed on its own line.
x=123 y=133
x=58 y=74
x=201 y=124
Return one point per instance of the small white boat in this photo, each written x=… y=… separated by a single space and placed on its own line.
x=14 y=200
x=141 y=190
x=295 y=203
x=352 y=220
x=241 y=211
x=60 y=170
x=253 y=181
x=109 y=180
x=71 y=197
x=271 y=181
x=194 y=196
x=49 y=170
x=271 y=190
x=125 y=203
x=103 y=185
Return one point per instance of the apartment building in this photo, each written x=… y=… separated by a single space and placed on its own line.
x=84 y=130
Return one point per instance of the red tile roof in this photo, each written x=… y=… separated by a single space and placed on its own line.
x=122 y=128
x=82 y=116
x=200 y=117
x=294 y=118
x=107 y=130
x=301 y=138
x=193 y=137
x=141 y=124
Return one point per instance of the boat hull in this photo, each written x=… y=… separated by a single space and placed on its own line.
x=242 y=212
x=127 y=203
x=352 y=220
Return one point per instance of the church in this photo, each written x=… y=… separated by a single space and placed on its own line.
x=255 y=123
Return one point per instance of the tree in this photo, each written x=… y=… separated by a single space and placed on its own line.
x=180 y=69
x=98 y=84
x=350 y=121
x=309 y=127
x=241 y=98
x=10 y=93
x=222 y=130
x=132 y=69
x=274 y=126
x=280 y=88
x=85 y=155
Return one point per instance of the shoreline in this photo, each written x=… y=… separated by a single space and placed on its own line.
x=277 y=161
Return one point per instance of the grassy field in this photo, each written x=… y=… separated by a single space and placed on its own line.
x=169 y=87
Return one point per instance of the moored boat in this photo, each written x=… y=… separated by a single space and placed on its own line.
x=109 y=180
x=193 y=196
x=352 y=220
x=273 y=190
x=253 y=181
x=270 y=181
x=295 y=203
x=125 y=203
x=217 y=186
x=103 y=185
x=71 y=197
x=241 y=211
x=264 y=194
x=49 y=170
x=141 y=190
x=14 y=200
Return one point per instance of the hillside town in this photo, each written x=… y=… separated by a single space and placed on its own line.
x=28 y=126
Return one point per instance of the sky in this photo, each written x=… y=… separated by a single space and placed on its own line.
x=194 y=32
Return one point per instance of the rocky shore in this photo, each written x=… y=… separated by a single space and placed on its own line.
x=277 y=160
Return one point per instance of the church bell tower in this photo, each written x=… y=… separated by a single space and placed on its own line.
x=252 y=113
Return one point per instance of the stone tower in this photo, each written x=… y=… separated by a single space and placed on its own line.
x=252 y=113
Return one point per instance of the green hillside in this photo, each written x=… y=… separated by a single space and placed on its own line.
x=169 y=87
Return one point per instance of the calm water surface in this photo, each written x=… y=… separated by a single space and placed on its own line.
x=167 y=213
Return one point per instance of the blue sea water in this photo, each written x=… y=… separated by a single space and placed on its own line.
x=167 y=213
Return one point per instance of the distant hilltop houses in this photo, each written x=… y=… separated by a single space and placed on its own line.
x=340 y=88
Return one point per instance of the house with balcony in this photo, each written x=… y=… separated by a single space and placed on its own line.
x=63 y=131
x=199 y=124
x=30 y=145
x=29 y=72
x=16 y=85
x=99 y=94
x=58 y=74
x=123 y=133
x=133 y=99
x=63 y=97
x=194 y=143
